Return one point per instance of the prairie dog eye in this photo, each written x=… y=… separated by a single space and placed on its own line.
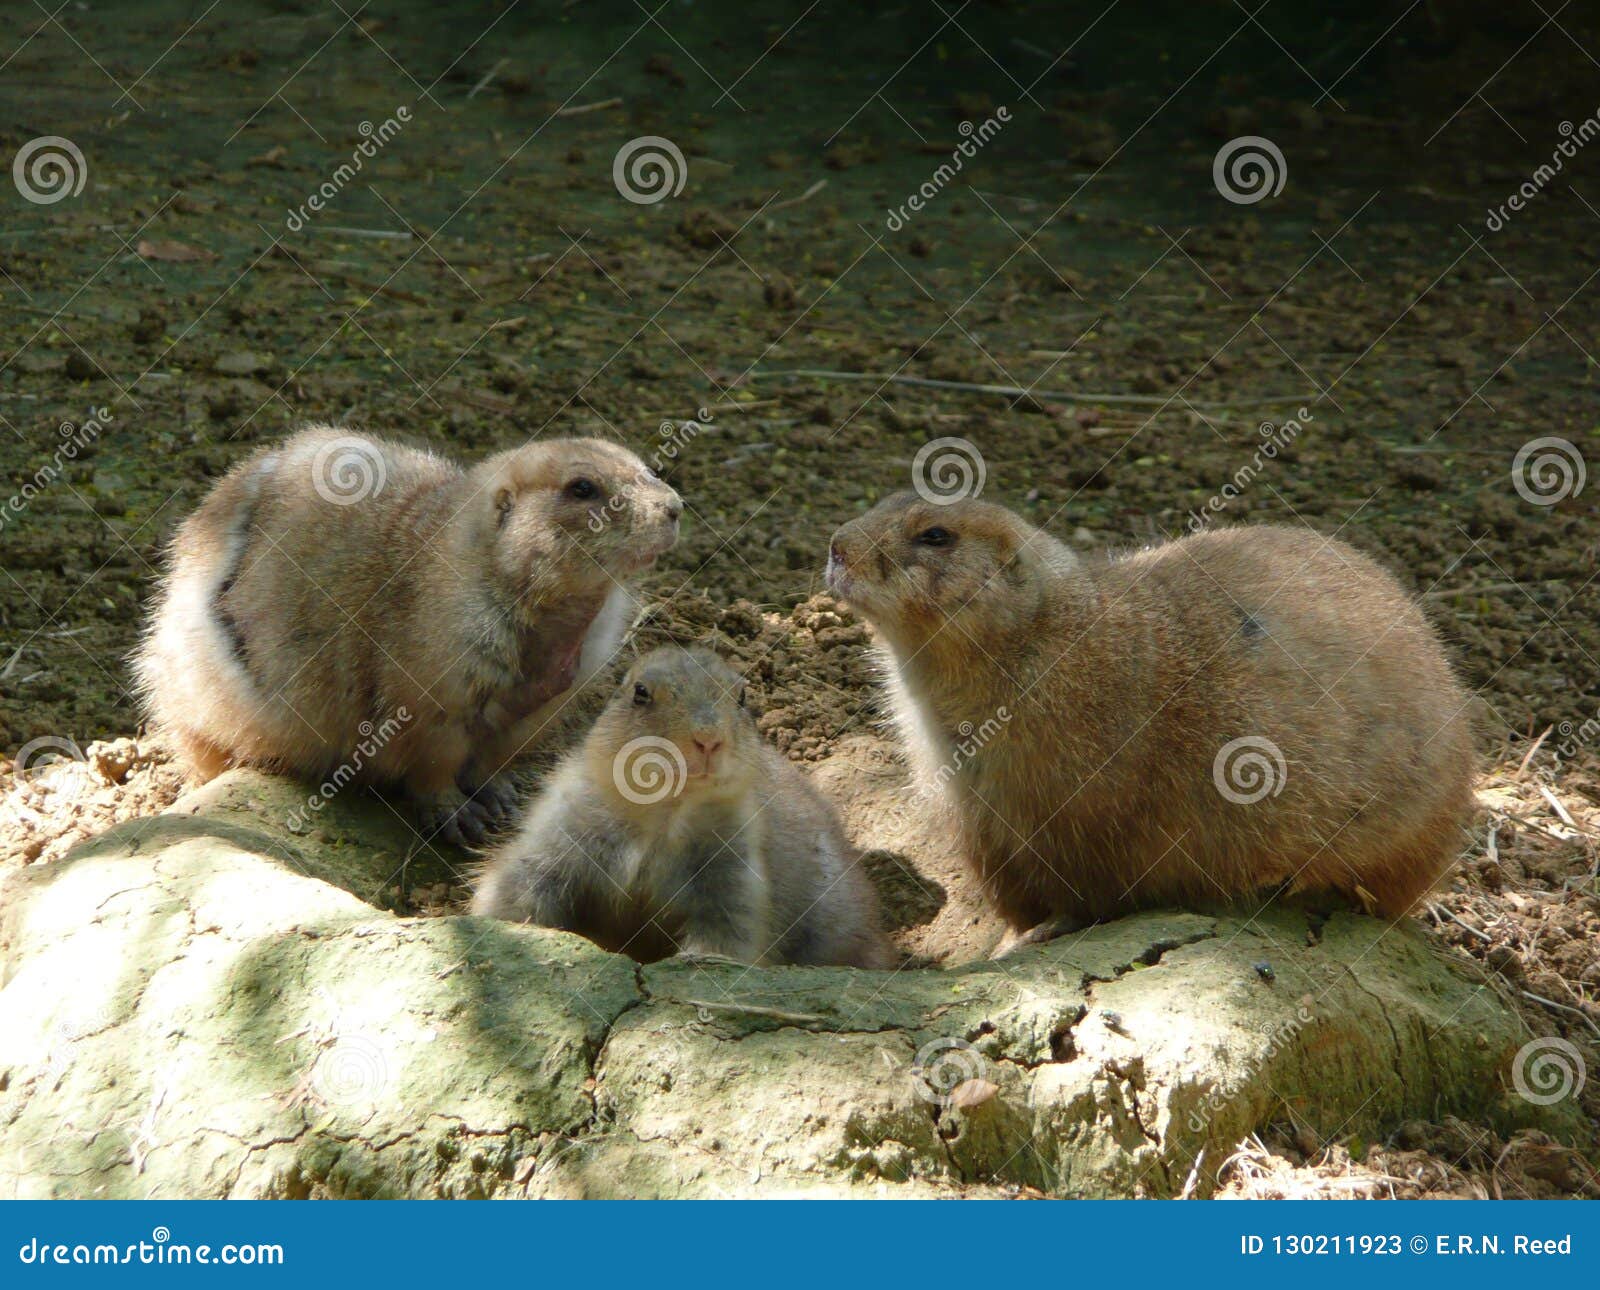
x=583 y=490
x=741 y=696
x=503 y=502
x=935 y=536
x=641 y=695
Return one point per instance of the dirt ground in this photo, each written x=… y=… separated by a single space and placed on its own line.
x=481 y=278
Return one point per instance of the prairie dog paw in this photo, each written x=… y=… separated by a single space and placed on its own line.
x=497 y=799
x=1045 y=931
x=705 y=958
x=453 y=818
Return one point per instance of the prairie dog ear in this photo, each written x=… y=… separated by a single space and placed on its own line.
x=1008 y=545
x=1017 y=553
x=503 y=498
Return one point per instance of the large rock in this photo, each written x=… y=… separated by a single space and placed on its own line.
x=208 y=1003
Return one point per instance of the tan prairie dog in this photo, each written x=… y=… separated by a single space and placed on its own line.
x=1243 y=710
x=344 y=606
x=676 y=828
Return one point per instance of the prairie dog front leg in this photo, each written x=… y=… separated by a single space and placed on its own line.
x=721 y=905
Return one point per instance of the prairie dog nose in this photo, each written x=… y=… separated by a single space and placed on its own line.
x=707 y=746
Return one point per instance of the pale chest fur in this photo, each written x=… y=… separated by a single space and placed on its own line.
x=666 y=847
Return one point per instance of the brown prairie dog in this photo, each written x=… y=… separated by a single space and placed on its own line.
x=338 y=584
x=676 y=828
x=1240 y=710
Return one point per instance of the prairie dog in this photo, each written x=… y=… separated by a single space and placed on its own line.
x=339 y=585
x=677 y=828
x=1240 y=710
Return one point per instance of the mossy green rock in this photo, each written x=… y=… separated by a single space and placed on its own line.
x=200 y=1004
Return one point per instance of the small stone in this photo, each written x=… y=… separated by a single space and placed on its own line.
x=243 y=362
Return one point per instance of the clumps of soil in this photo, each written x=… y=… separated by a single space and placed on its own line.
x=809 y=672
x=47 y=809
x=434 y=900
x=1452 y=1160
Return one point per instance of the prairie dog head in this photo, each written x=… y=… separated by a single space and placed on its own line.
x=677 y=728
x=574 y=513
x=911 y=567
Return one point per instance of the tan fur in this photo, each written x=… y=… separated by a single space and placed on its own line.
x=1123 y=679
x=442 y=615
x=701 y=839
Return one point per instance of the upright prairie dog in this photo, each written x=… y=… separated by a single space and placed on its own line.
x=1241 y=710
x=342 y=605
x=677 y=828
